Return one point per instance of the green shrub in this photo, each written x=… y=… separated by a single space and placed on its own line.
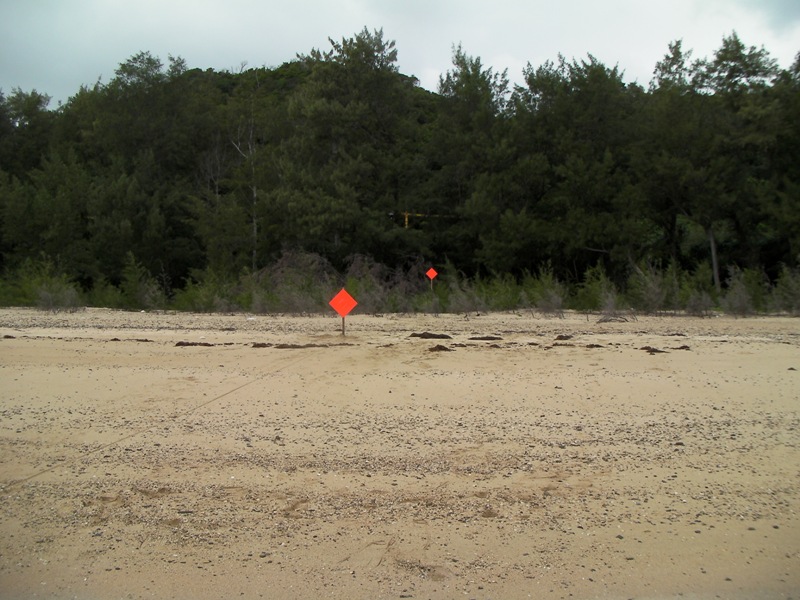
x=58 y=294
x=544 y=292
x=757 y=285
x=368 y=282
x=206 y=292
x=672 y=287
x=499 y=292
x=139 y=288
x=699 y=304
x=456 y=293
x=409 y=288
x=647 y=289
x=737 y=299
x=299 y=282
x=596 y=292
x=786 y=293
x=697 y=294
x=105 y=295
x=41 y=284
x=747 y=291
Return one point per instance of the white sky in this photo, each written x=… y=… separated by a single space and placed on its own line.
x=55 y=46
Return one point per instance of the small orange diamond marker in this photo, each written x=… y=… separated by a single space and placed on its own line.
x=343 y=303
x=431 y=273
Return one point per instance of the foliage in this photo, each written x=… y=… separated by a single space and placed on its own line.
x=786 y=294
x=596 y=292
x=651 y=290
x=42 y=284
x=544 y=292
x=266 y=189
x=139 y=288
x=697 y=294
x=299 y=282
x=747 y=292
x=206 y=292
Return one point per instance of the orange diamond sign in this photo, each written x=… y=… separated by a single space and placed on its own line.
x=431 y=273
x=343 y=303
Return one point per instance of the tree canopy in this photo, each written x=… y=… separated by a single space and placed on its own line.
x=190 y=174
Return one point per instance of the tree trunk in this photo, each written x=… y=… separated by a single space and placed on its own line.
x=248 y=154
x=714 y=260
x=255 y=228
x=674 y=247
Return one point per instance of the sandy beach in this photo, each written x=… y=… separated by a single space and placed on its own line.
x=164 y=455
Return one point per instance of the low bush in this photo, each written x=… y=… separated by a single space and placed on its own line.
x=544 y=293
x=58 y=295
x=786 y=293
x=647 y=289
x=41 y=284
x=302 y=283
x=596 y=292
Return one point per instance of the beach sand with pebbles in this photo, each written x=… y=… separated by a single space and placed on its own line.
x=148 y=455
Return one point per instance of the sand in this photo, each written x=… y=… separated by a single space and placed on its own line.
x=152 y=455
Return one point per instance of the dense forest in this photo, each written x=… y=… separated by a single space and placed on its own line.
x=266 y=188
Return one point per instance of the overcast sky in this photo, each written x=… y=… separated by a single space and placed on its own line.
x=55 y=46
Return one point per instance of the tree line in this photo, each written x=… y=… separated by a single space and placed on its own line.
x=168 y=183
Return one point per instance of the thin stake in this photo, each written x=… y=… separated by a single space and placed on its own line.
x=342 y=325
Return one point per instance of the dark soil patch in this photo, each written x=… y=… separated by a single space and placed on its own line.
x=427 y=335
x=440 y=348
